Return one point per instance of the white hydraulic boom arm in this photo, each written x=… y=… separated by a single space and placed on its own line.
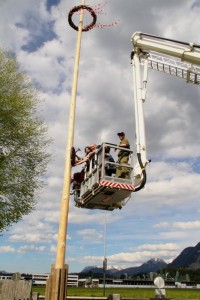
x=166 y=55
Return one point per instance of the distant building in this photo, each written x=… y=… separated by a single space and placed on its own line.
x=40 y=278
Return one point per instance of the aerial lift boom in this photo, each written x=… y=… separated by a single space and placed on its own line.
x=166 y=55
x=101 y=188
x=188 y=52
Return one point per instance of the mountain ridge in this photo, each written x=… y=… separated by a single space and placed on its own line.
x=188 y=258
x=152 y=265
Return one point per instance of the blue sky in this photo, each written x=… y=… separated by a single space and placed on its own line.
x=162 y=219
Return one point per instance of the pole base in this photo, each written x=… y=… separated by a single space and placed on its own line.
x=56 y=286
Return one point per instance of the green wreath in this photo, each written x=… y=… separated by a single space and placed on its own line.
x=77 y=8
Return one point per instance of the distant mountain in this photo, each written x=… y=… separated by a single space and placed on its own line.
x=153 y=265
x=99 y=270
x=89 y=269
x=188 y=258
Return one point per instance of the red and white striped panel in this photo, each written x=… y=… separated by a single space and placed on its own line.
x=117 y=185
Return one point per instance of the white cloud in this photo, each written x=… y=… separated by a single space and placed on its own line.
x=181 y=225
x=14 y=21
x=187 y=225
x=157 y=247
x=34 y=237
x=174 y=235
x=176 y=189
x=53 y=248
x=43 y=67
x=7 y=249
x=22 y=249
x=90 y=234
x=167 y=252
x=105 y=106
x=89 y=260
x=162 y=225
x=126 y=259
x=136 y=257
x=27 y=248
x=86 y=217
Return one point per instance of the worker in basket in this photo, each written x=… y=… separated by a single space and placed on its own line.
x=109 y=168
x=78 y=177
x=123 y=157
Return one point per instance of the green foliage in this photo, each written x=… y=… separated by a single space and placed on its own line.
x=184 y=274
x=23 y=143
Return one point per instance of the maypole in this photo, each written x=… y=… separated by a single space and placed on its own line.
x=62 y=232
x=56 y=285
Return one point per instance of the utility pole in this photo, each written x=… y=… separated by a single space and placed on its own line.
x=105 y=260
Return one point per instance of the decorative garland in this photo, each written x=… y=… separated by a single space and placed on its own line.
x=76 y=9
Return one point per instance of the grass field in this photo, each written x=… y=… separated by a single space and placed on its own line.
x=129 y=293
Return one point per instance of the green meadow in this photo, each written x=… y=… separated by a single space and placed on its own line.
x=127 y=293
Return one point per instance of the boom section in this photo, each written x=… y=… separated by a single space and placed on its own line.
x=176 y=58
x=188 y=52
x=191 y=73
x=165 y=55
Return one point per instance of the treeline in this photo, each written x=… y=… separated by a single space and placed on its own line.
x=179 y=273
x=169 y=274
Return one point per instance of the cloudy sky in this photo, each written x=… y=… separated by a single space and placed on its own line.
x=162 y=219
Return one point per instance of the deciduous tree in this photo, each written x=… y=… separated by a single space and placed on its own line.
x=23 y=142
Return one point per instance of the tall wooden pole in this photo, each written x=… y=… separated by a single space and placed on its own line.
x=57 y=282
x=62 y=233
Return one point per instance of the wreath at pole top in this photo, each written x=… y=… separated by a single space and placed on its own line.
x=76 y=9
